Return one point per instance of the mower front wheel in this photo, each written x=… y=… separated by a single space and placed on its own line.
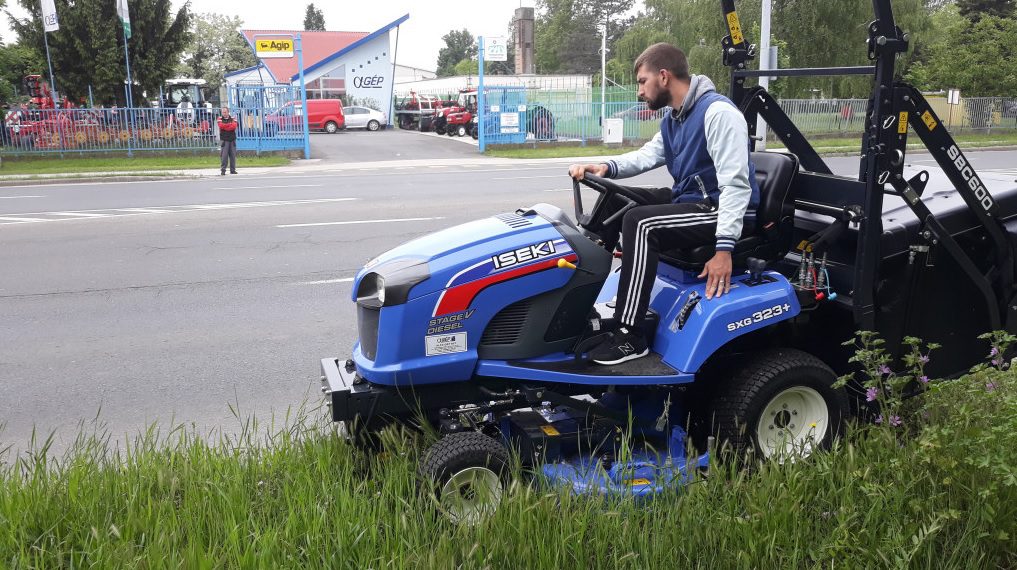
x=469 y=472
x=782 y=405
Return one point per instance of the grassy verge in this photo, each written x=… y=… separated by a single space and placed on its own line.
x=136 y=164
x=559 y=151
x=938 y=492
x=822 y=145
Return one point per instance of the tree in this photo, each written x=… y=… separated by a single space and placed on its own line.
x=216 y=47
x=88 y=48
x=459 y=45
x=975 y=9
x=811 y=33
x=568 y=33
x=971 y=56
x=314 y=19
x=16 y=61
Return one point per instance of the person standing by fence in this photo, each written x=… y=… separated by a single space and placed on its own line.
x=228 y=138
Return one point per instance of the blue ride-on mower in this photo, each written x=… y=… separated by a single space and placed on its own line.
x=482 y=330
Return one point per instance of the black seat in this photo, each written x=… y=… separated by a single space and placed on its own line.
x=770 y=237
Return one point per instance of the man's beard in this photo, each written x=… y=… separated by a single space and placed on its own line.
x=663 y=99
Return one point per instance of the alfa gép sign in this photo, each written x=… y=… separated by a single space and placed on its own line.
x=273 y=46
x=496 y=49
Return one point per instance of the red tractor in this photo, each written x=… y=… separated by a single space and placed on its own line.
x=41 y=93
x=457 y=120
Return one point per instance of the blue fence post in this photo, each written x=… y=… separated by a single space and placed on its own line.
x=481 y=122
x=303 y=100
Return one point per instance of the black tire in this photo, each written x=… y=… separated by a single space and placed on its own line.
x=451 y=131
x=475 y=133
x=459 y=453
x=373 y=125
x=739 y=405
x=331 y=127
x=439 y=128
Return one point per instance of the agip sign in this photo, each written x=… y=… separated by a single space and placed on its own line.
x=273 y=46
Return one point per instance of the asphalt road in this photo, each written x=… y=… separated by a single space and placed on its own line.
x=388 y=144
x=170 y=300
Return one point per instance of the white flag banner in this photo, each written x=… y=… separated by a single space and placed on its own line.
x=50 y=22
x=125 y=16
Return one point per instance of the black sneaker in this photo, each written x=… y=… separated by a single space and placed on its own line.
x=624 y=345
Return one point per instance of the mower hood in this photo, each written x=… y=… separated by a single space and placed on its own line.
x=497 y=248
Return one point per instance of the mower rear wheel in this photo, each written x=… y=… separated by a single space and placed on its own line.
x=469 y=471
x=782 y=405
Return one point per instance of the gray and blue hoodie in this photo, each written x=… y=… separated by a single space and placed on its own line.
x=704 y=144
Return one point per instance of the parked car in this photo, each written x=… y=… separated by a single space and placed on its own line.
x=639 y=112
x=323 y=115
x=365 y=118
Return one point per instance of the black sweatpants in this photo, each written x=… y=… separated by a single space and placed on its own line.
x=648 y=230
x=228 y=155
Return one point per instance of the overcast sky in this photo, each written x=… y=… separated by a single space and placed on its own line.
x=419 y=37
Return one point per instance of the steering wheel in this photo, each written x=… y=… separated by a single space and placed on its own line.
x=600 y=218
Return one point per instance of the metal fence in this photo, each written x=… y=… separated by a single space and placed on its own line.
x=78 y=131
x=269 y=119
x=576 y=113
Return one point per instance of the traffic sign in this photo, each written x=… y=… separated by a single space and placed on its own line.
x=273 y=46
x=496 y=49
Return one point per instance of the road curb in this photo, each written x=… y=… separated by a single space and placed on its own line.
x=92 y=179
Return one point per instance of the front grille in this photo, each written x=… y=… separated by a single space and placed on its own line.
x=367 y=327
x=514 y=220
x=507 y=326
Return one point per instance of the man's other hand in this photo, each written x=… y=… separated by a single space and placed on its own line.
x=718 y=274
x=577 y=171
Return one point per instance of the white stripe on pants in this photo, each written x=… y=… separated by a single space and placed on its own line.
x=647 y=230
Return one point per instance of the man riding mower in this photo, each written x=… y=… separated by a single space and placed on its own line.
x=491 y=331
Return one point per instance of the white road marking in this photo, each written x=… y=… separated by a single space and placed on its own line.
x=13 y=197
x=359 y=222
x=78 y=214
x=81 y=215
x=530 y=177
x=20 y=220
x=266 y=187
x=328 y=281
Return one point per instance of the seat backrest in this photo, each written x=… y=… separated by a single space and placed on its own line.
x=774 y=173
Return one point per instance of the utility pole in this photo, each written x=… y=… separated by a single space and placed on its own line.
x=764 y=63
x=603 y=72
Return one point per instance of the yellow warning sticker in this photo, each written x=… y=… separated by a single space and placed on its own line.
x=929 y=120
x=549 y=430
x=640 y=481
x=902 y=124
x=735 y=27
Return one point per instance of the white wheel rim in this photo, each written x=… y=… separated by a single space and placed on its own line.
x=471 y=495
x=793 y=423
x=331 y=128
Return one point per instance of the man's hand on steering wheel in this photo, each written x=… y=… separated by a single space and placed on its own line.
x=718 y=274
x=577 y=171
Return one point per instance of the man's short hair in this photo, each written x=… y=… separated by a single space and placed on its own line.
x=663 y=56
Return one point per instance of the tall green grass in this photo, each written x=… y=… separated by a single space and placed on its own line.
x=940 y=491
